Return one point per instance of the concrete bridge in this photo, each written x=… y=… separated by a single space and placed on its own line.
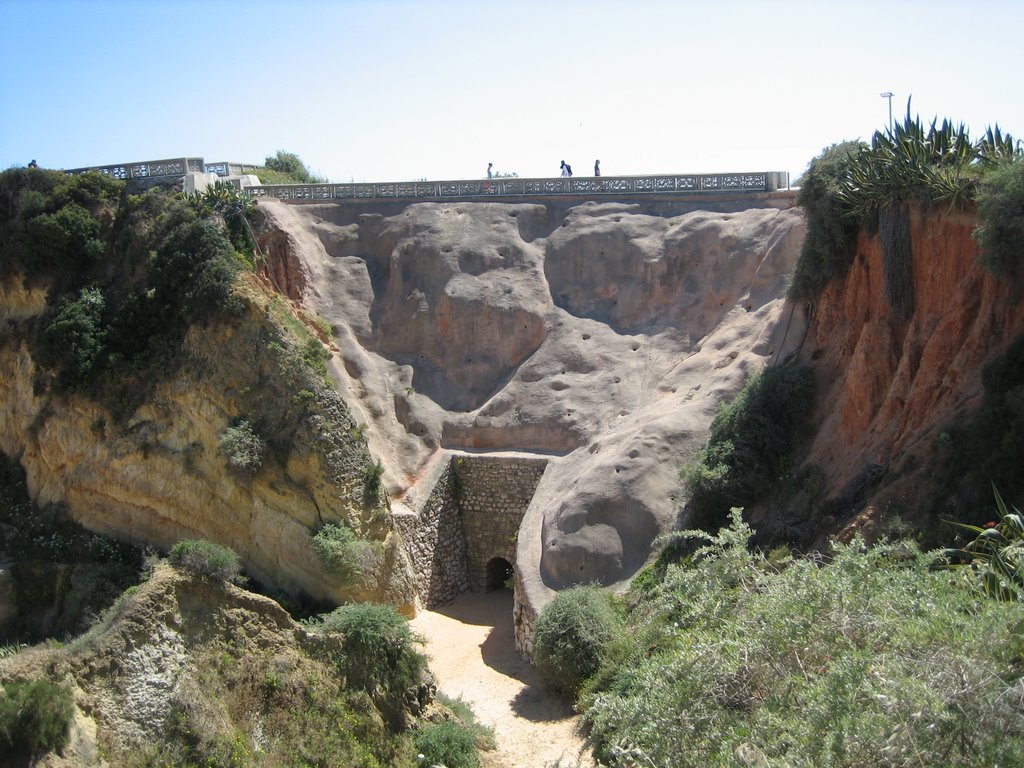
x=665 y=186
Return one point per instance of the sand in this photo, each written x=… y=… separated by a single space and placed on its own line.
x=473 y=656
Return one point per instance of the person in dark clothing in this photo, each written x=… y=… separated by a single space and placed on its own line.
x=597 y=167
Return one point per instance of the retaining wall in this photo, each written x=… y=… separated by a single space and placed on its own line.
x=471 y=516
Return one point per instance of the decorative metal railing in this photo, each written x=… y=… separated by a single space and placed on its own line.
x=514 y=187
x=149 y=169
x=231 y=169
x=672 y=184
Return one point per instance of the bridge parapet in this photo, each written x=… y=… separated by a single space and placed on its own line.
x=147 y=169
x=764 y=181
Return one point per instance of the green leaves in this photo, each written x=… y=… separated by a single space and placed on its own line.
x=997 y=552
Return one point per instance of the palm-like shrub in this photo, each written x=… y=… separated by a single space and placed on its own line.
x=996 y=552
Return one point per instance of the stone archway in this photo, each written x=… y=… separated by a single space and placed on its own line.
x=499 y=571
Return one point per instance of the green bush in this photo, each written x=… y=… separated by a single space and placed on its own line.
x=35 y=717
x=869 y=657
x=292 y=167
x=449 y=743
x=339 y=551
x=828 y=246
x=193 y=271
x=750 y=441
x=571 y=635
x=243 y=447
x=1001 y=211
x=206 y=560
x=75 y=338
x=379 y=647
x=69 y=236
x=372 y=474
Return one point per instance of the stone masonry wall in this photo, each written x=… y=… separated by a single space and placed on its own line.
x=494 y=493
x=435 y=543
x=472 y=516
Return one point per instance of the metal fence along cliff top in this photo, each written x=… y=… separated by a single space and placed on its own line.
x=666 y=184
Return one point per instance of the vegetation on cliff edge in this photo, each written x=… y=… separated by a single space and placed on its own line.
x=866 y=657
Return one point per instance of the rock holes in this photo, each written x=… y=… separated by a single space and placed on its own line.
x=586 y=337
x=634 y=346
x=633 y=454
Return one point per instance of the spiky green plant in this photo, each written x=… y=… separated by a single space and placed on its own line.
x=997 y=552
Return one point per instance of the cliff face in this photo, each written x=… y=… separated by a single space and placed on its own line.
x=161 y=476
x=600 y=337
x=887 y=387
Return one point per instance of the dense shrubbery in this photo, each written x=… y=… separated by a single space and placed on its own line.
x=749 y=442
x=206 y=560
x=1001 y=210
x=872 y=657
x=571 y=635
x=849 y=185
x=448 y=743
x=339 y=551
x=35 y=717
x=75 y=338
x=828 y=246
x=379 y=647
x=292 y=169
x=172 y=269
x=243 y=447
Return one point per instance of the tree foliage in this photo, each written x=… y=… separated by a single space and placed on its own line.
x=289 y=164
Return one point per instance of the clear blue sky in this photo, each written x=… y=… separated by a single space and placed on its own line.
x=393 y=90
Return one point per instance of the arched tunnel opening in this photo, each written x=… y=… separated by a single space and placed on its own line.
x=499 y=574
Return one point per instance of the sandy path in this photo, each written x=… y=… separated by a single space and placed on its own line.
x=472 y=654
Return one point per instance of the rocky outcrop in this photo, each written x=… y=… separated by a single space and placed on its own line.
x=160 y=475
x=601 y=337
x=889 y=385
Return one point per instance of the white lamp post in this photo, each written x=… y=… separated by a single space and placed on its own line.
x=888 y=95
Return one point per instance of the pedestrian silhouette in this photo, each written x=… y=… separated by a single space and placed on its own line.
x=597 y=167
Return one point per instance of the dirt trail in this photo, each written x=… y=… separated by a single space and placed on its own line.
x=472 y=654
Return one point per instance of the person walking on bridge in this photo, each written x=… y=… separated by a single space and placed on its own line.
x=489 y=175
x=597 y=167
x=566 y=169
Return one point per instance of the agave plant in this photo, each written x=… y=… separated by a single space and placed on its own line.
x=996 y=552
x=995 y=146
x=910 y=162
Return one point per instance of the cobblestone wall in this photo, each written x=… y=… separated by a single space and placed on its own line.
x=472 y=517
x=435 y=543
x=494 y=493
